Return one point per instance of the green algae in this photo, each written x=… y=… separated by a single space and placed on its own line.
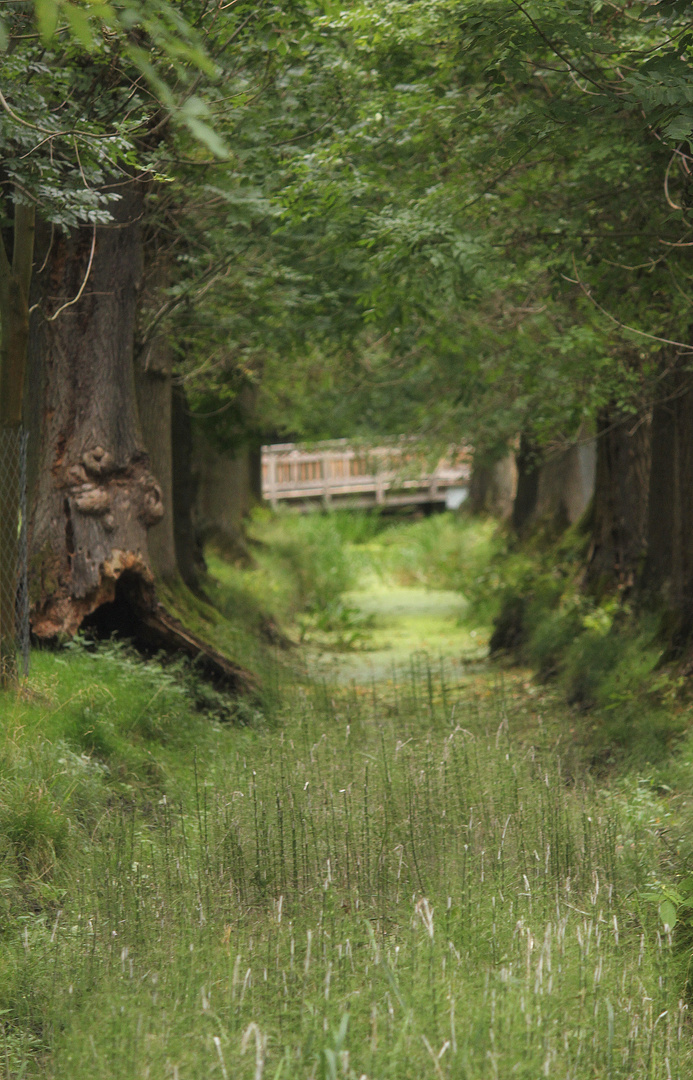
x=404 y=621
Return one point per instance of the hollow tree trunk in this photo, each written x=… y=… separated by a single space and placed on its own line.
x=668 y=571
x=619 y=512
x=96 y=497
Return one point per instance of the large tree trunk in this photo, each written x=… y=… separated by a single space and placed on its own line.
x=668 y=570
x=96 y=497
x=619 y=512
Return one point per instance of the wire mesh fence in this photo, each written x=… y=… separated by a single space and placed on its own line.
x=14 y=592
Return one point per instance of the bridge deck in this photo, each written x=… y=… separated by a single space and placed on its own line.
x=335 y=472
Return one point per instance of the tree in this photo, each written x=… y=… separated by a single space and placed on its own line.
x=128 y=240
x=87 y=111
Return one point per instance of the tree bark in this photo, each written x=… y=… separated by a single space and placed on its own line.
x=153 y=371
x=255 y=466
x=566 y=485
x=493 y=487
x=668 y=571
x=525 y=504
x=619 y=513
x=224 y=496
x=189 y=551
x=15 y=283
x=95 y=497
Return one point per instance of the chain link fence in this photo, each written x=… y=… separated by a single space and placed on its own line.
x=14 y=591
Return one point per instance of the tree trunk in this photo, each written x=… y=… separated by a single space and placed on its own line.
x=96 y=497
x=189 y=552
x=566 y=485
x=619 y=514
x=153 y=370
x=255 y=466
x=525 y=504
x=668 y=570
x=15 y=283
x=493 y=487
x=224 y=496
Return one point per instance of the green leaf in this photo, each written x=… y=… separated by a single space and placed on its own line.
x=192 y=114
x=207 y=135
x=681 y=127
x=667 y=913
x=3 y=36
x=686 y=887
x=80 y=26
x=47 y=12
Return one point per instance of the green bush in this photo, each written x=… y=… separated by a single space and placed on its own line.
x=33 y=827
x=588 y=659
x=553 y=635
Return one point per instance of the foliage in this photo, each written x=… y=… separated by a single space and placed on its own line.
x=438 y=218
x=302 y=566
x=488 y=218
x=604 y=657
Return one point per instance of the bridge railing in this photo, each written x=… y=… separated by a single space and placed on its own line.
x=395 y=474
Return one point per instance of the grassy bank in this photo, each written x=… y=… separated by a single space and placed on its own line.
x=412 y=877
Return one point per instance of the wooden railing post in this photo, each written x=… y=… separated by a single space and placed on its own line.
x=272 y=480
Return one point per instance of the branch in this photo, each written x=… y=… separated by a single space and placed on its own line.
x=555 y=50
x=54 y=316
x=617 y=322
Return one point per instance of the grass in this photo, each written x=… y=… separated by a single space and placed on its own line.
x=397 y=860
x=409 y=878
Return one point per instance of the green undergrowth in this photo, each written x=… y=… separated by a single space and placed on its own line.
x=603 y=657
x=303 y=564
x=391 y=881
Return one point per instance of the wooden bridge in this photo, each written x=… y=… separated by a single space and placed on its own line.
x=335 y=473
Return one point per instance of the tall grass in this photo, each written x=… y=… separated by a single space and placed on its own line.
x=392 y=883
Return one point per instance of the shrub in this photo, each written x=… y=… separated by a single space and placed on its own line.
x=553 y=635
